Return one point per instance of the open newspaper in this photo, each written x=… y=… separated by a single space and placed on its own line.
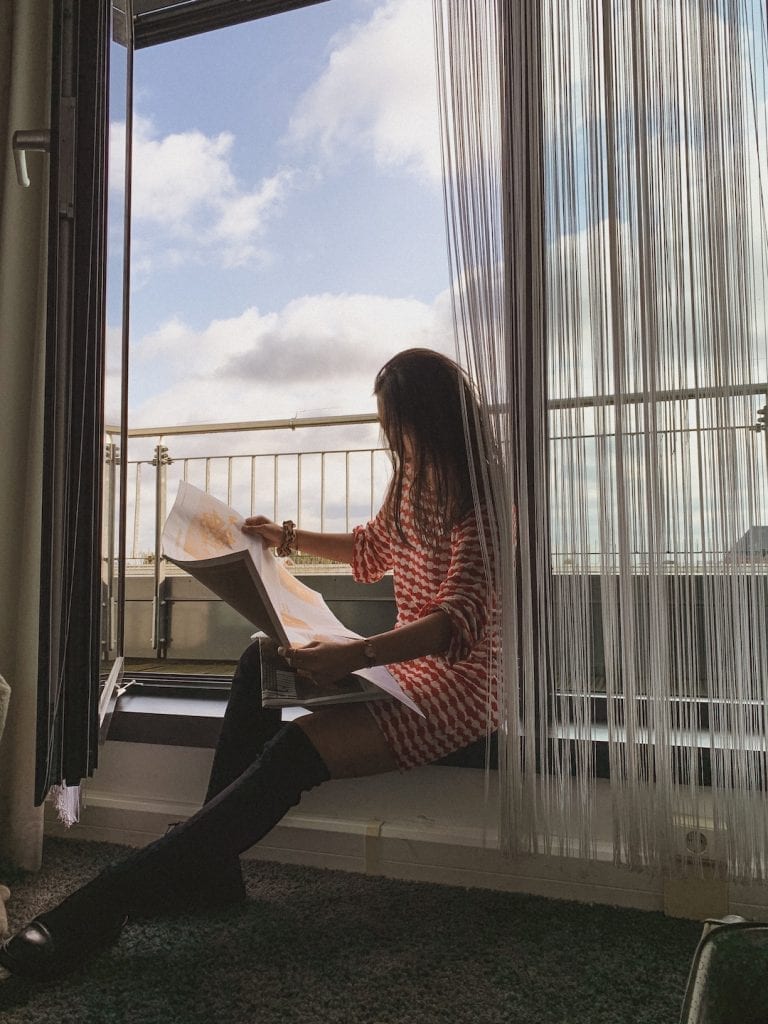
x=203 y=536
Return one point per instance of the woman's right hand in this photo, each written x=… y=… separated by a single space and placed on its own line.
x=337 y=547
x=264 y=528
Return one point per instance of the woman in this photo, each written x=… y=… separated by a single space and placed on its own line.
x=441 y=650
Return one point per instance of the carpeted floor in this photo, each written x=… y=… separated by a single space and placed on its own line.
x=328 y=947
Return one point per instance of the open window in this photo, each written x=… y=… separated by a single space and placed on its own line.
x=147 y=615
x=288 y=237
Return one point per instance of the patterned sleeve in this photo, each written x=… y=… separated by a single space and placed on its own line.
x=372 y=550
x=465 y=593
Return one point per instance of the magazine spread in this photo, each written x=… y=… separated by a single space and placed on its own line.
x=203 y=536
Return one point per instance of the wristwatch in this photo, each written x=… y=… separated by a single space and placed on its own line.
x=369 y=652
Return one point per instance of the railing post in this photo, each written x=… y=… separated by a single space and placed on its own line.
x=762 y=426
x=298 y=492
x=322 y=492
x=346 y=492
x=108 y=600
x=275 y=485
x=159 y=618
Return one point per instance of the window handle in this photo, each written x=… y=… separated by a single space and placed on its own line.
x=39 y=140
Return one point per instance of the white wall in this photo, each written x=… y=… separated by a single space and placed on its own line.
x=25 y=76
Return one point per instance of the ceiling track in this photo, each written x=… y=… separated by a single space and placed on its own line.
x=157 y=22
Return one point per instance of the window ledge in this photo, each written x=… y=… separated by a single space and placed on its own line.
x=174 y=720
x=164 y=714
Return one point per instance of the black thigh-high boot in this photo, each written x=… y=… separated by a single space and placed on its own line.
x=246 y=727
x=62 y=939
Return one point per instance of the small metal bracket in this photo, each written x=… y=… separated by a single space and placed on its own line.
x=161 y=456
x=112 y=454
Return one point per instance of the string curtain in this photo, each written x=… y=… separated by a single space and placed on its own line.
x=606 y=178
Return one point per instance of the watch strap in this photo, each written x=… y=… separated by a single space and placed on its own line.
x=370 y=652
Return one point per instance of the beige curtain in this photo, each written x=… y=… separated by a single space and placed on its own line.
x=24 y=104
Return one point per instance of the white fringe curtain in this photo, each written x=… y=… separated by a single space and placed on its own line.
x=606 y=192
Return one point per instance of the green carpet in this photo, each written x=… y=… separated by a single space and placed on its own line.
x=329 y=947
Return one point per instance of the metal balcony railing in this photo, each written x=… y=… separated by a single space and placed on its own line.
x=322 y=489
x=325 y=489
x=333 y=489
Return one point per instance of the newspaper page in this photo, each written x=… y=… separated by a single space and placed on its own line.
x=200 y=528
x=204 y=536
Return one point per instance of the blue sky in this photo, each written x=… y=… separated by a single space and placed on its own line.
x=288 y=216
x=288 y=232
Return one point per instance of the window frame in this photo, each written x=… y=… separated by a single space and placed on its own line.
x=163 y=21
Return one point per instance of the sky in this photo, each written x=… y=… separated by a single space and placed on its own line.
x=288 y=232
x=288 y=228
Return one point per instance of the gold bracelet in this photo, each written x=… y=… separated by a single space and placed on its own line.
x=288 y=539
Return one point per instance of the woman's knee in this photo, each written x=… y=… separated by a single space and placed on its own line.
x=349 y=741
x=249 y=664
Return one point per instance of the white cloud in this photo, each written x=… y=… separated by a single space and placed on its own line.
x=186 y=199
x=174 y=175
x=378 y=92
x=113 y=375
x=318 y=355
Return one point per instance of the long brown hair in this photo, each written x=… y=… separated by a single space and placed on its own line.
x=422 y=396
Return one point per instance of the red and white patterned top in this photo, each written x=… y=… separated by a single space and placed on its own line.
x=455 y=690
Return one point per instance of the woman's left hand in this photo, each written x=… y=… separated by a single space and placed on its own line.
x=324 y=661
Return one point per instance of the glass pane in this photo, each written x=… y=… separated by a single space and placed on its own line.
x=288 y=238
x=120 y=87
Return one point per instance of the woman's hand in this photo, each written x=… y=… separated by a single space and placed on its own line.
x=337 y=547
x=264 y=528
x=325 y=661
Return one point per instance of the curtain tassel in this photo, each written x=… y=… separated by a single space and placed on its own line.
x=66 y=800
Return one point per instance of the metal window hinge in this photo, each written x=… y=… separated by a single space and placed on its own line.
x=67 y=154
